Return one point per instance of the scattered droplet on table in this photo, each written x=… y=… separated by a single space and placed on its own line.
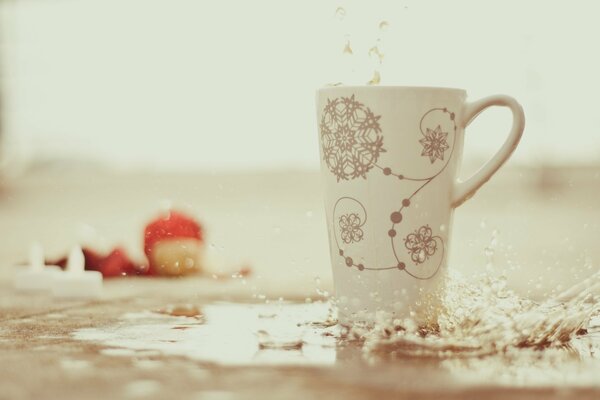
x=265 y=341
x=340 y=13
x=185 y=310
x=383 y=25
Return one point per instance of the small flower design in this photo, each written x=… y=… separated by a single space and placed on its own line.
x=420 y=244
x=434 y=144
x=345 y=139
x=350 y=225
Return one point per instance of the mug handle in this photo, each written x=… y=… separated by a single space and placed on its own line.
x=465 y=190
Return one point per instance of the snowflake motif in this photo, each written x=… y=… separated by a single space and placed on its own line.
x=350 y=226
x=434 y=144
x=351 y=138
x=420 y=244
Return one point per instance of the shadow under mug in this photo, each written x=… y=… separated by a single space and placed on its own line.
x=389 y=160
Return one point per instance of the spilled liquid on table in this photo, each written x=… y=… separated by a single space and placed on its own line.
x=486 y=333
x=226 y=333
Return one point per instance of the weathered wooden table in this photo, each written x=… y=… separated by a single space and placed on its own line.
x=79 y=349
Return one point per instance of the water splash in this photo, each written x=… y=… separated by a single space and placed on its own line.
x=320 y=291
x=490 y=251
x=482 y=317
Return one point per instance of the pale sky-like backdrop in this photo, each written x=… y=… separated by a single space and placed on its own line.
x=230 y=84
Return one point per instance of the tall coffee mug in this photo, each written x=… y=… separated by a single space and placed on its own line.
x=389 y=160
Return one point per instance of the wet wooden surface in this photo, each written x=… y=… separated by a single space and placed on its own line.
x=547 y=229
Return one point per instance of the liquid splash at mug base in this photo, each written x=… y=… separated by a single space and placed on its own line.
x=482 y=317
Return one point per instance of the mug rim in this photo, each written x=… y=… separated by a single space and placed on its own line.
x=392 y=87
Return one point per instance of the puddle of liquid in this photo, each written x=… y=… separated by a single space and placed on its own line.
x=229 y=334
x=486 y=335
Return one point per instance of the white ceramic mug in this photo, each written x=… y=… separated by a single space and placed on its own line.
x=389 y=158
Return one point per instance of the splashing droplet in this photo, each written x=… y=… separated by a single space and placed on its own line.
x=375 y=79
x=340 y=13
x=483 y=316
x=347 y=48
x=375 y=52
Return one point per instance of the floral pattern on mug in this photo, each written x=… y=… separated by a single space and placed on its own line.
x=348 y=155
x=421 y=244
x=350 y=137
x=434 y=144
x=350 y=226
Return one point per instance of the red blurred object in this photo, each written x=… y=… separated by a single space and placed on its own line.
x=116 y=263
x=173 y=225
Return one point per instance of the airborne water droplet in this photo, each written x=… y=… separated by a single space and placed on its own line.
x=347 y=48
x=375 y=79
x=340 y=13
x=375 y=52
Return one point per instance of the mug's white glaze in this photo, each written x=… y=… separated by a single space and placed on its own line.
x=389 y=158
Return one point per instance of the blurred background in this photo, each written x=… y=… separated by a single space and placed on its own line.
x=112 y=109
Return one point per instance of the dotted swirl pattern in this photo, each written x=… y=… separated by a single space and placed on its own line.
x=421 y=245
